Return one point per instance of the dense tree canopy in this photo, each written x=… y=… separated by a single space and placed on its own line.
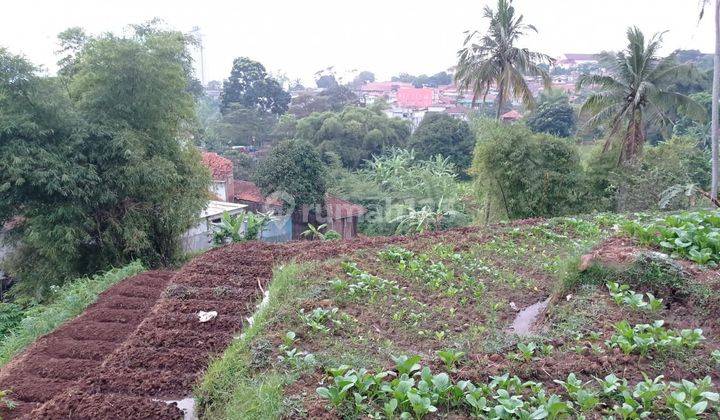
x=437 y=79
x=354 y=134
x=553 y=115
x=441 y=134
x=96 y=172
x=293 y=169
x=334 y=99
x=250 y=86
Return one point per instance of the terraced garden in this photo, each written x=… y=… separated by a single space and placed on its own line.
x=506 y=321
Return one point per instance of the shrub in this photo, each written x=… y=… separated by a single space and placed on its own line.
x=641 y=185
x=523 y=174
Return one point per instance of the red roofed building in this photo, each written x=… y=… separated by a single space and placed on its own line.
x=222 y=175
x=417 y=98
x=510 y=116
x=248 y=193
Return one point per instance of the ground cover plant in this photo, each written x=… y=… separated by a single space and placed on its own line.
x=691 y=235
x=423 y=328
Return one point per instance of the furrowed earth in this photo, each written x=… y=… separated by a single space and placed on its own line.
x=360 y=303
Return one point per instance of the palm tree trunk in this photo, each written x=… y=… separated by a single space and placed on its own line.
x=715 y=99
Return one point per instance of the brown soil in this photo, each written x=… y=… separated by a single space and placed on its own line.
x=65 y=357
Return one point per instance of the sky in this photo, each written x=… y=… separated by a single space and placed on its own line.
x=298 y=38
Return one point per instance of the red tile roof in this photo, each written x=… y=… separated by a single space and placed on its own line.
x=414 y=97
x=511 y=116
x=220 y=167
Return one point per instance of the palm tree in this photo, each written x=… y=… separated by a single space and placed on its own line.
x=493 y=59
x=715 y=123
x=634 y=93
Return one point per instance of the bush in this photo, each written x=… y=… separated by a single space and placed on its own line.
x=678 y=161
x=522 y=174
x=441 y=134
x=293 y=167
x=398 y=184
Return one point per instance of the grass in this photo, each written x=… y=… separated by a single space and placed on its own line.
x=229 y=388
x=67 y=302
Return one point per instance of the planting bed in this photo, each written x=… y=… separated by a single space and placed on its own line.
x=457 y=295
x=63 y=358
x=359 y=303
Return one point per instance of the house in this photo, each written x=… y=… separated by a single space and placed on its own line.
x=199 y=237
x=510 y=116
x=415 y=98
x=222 y=174
x=342 y=216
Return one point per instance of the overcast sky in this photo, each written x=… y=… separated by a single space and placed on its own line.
x=386 y=37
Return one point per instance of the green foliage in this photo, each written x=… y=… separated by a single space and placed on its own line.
x=621 y=100
x=437 y=79
x=553 y=115
x=293 y=168
x=695 y=236
x=228 y=388
x=10 y=316
x=333 y=99
x=251 y=87
x=119 y=119
x=521 y=174
x=321 y=232
x=319 y=318
x=642 y=338
x=622 y=295
x=244 y=226
x=362 y=283
x=355 y=134
x=441 y=134
x=397 y=186
x=65 y=303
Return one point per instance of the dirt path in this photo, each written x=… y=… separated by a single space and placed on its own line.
x=61 y=359
x=163 y=357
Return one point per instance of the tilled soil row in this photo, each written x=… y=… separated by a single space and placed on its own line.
x=63 y=358
x=169 y=350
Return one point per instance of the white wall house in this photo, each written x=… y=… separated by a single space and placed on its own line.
x=199 y=237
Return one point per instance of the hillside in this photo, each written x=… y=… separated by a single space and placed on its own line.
x=349 y=327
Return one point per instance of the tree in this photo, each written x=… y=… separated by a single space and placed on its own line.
x=250 y=86
x=355 y=134
x=293 y=168
x=493 y=60
x=362 y=78
x=634 y=94
x=441 y=134
x=553 y=115
x=240 y=126
x=103 y=174
x=522 y=174
x=327 y=81
x=331 y=99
